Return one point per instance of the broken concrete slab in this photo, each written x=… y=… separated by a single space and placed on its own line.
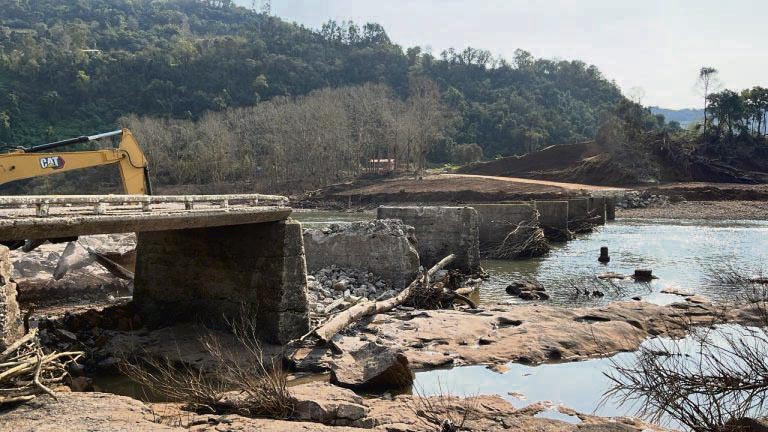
x=365 y=364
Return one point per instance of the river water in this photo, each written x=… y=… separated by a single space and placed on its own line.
x=682 y=254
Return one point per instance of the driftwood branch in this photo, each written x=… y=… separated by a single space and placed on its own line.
x=26 y=371
x=367 y=308
x=465 y=299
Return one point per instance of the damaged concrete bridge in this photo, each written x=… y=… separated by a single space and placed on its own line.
x=199 y=258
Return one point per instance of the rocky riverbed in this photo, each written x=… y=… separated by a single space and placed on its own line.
x=321 y=407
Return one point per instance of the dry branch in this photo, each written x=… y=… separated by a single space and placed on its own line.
x=354 y=314
x=26 y=371
x=525 y=240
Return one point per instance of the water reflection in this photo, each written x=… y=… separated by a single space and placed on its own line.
x=576 y=385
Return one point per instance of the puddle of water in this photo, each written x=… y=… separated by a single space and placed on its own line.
x=124 y=386
x=576 y=385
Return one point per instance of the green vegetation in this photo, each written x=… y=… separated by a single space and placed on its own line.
x=69 y=67
x=740 y=115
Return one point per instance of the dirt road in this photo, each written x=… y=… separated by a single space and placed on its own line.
x=569 y=186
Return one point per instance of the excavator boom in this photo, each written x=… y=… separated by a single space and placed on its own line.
x=41 y=161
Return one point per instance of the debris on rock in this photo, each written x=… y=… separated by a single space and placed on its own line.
x=528 y=290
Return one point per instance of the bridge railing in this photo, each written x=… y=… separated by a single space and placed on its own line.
x=99 y=204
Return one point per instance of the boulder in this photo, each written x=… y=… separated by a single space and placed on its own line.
x=327 y=404
x=527 y=290
x=368 y=365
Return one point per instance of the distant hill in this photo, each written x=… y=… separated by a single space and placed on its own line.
x=69 y=67
x=684 y=116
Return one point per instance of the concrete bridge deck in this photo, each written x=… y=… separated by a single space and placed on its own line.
x=38 y=217
x=200 y=258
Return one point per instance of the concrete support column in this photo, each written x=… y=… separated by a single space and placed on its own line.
x=441 y=231
x=553 y=218
x=10 y=317
x=578 y=208
x=207 y=274
x=495 y=221
x=610 y=208
x=598 y=204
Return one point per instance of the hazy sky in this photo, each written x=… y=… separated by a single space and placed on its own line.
x=655 y=45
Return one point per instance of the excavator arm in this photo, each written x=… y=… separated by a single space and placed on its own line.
x=39 y=161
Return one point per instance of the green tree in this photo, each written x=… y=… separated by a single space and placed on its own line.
x=707 y=81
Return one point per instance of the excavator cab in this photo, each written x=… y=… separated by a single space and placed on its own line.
x=39 y=161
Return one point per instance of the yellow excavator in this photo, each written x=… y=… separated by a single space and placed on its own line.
x=36 y=161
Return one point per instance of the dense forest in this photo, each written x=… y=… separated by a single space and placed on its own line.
x=71 y=66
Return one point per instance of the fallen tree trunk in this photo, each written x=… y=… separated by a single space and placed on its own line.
x=355 y=313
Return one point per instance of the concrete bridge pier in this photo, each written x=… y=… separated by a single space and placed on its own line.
x=200 y=258
x=597 y=205
x=553 y=218
x=610 y=208
x=10 y=316
x=214 y=273
x=578 y=209
x=441 y=231
x=496 y=221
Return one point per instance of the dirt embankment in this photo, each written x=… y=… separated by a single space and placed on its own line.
x=447 y=188
x=664 y=160
x=558 y=163
x=703 y=191
x=709 y=210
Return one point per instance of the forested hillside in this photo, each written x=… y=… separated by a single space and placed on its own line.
x=69 y=67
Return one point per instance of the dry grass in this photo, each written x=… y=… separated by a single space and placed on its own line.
x=713 y=383
x=243 y=380
x=444 y=412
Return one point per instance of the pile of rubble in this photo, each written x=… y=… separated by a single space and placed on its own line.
x=385 y=248
x=331 y=288
x=645 y=199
